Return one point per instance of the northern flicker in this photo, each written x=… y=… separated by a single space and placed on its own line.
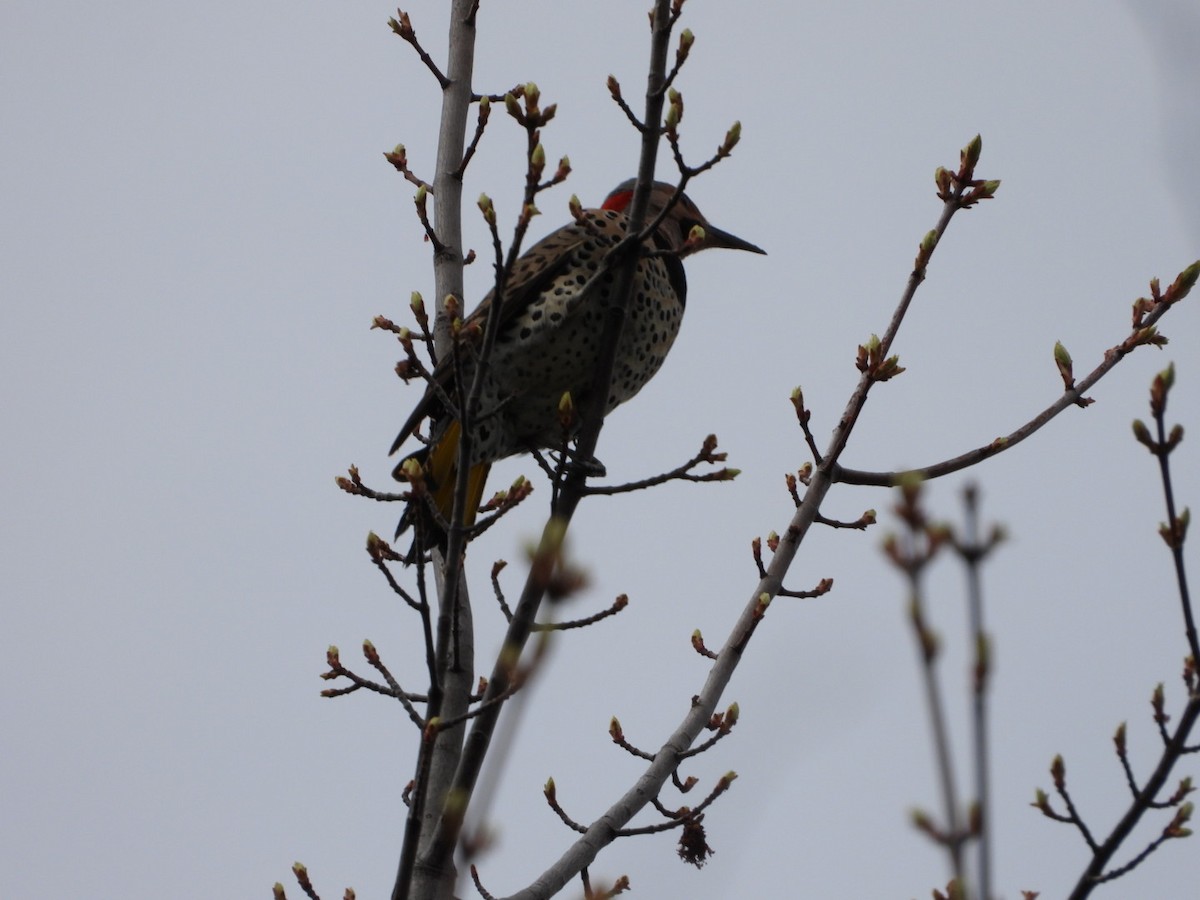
x=549 y=337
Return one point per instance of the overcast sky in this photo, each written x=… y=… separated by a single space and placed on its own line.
x=198 y=229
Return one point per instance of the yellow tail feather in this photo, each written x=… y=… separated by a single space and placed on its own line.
x=443 y=473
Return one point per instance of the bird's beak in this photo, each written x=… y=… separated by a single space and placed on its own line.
x=715 y=237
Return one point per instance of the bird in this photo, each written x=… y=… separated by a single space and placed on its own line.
x=547 y=343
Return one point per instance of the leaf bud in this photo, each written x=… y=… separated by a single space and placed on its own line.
x=969 y=156
x=732 y=136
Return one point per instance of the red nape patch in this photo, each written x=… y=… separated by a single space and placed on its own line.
x=618 y=200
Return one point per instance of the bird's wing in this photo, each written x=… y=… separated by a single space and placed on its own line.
x=530 y=275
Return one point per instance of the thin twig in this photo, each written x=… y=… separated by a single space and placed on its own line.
x=614 y=89
x=1174 y=532
x=1143 y=333
x=683 y=817
x=479 y=884
x=973 y=551
x=679 y=473
x=912 y=554
x=392 y=689
x=399 y=159
x=485 y=108
x=403 y=27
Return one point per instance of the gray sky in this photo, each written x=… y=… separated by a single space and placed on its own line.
x=198 y=229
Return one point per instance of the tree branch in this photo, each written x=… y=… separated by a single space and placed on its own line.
x=479 y=739
x=449 y=694
x=700 y=710
x=1143 y=332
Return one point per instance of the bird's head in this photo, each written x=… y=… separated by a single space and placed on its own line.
x=673 y=233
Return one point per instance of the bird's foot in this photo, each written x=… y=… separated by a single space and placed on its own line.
x=591 y=467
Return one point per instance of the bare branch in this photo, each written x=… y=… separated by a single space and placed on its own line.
x=393 y=689
x=403 y=27
x=614 y=89
x=824 y=586
x=479 y=885
x=1143 y=333
x=453 y=661
x=803 y=414
x=706 y=454
x=551 y=794
x=399 y=159
x=485 y=109
x=686 y=39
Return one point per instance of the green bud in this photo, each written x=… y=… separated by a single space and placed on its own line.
x=732 y=136
x=970 y=153
x=488 y=210
x=1058 y=768
x=1141 y=433
x=1167 y=376
x=1185 y=282
x=1061 y=356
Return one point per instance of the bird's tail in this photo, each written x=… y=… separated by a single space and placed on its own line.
x=440 y=462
